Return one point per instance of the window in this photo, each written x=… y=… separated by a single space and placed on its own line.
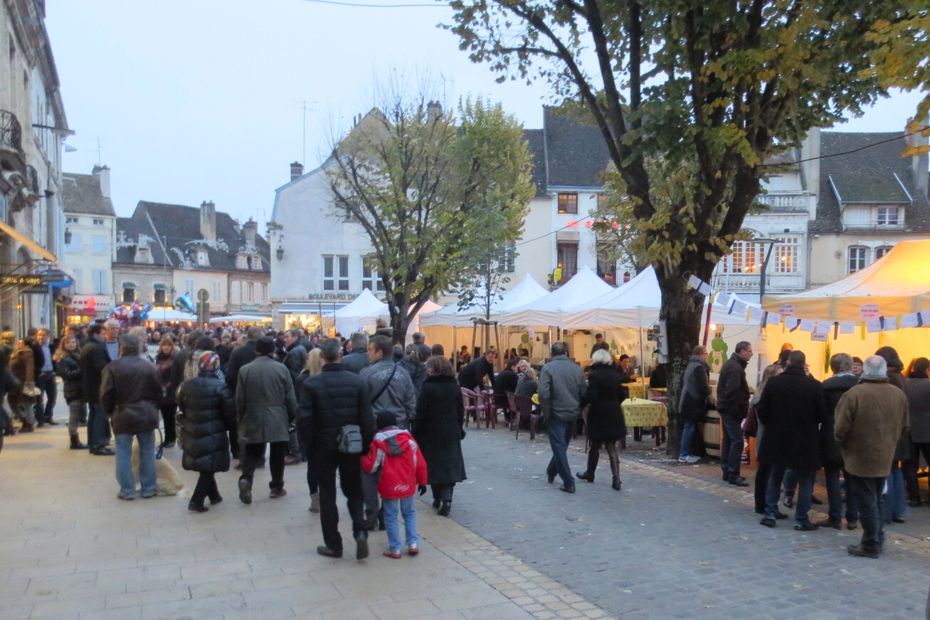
x=100 y=281
x=129 y=292
x=371 y=279
x=250 y=292
x=161 y=295
x=785 y=256
x=567 y=259
x=508 y=257
x=202 y=259
x=887 y=216
x=606 y=268
x=857 y=257
x=335 y=273
x=216 y=292
x=256 y=263
x=98 y=221
x=77 y=281
x=71 y=220
x=75 y=245
x=568 y=202
x=881 y=250
x=189 y=286
x=264 y=292
x=98 y=244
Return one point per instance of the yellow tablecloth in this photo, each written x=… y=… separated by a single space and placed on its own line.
x=646 y=413
x=637 y=390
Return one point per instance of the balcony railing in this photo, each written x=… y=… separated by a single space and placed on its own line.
x=11 y=133
x=32 y=179
x=777 y=200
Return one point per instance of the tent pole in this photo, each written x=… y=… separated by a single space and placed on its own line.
x=710 y=307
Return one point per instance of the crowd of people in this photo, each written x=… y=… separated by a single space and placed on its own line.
x=389 y=420
x=868 y=423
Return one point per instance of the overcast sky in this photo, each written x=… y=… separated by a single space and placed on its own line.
x=192 y=100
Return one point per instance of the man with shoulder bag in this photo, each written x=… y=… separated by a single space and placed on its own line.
x=335 y=422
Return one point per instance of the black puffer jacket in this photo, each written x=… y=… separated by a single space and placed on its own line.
x=328 y=401
x=208 y=408
x=69 y=369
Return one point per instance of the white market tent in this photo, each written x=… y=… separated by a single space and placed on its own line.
x=899 y=283
x=578 y=292
x=361 y=314
x=170 y=314
x=526 y=291
x=241 y=318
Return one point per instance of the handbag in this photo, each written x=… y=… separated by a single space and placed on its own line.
x=349 y=439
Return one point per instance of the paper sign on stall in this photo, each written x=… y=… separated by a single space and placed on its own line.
x=873 y=325
x=847 y=327
x=910 y=320
x=869 y=311
x=786 y=310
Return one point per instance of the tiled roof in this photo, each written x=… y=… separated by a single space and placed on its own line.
x=862 y=167
x=575 y=151
x=179 y=226
x=80 y=193
x=534 y=140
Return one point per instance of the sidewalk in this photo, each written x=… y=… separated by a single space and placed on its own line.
x=70 y=549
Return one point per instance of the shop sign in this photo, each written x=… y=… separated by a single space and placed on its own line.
x=12 y=279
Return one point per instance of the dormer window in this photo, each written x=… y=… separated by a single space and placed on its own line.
x=256 y=262
x=203 y=259
x=143 y=254
x=242 y=262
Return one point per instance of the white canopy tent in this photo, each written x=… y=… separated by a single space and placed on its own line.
x=583 y=288
x=161 y=315
x=241 y=318
x=526 y=291
x=361 y=314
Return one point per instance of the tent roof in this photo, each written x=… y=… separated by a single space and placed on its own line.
x=526 y=291
x=365 y=305
x=547 y=310
x=242 y=318
x=168 y=314
x=899 y=283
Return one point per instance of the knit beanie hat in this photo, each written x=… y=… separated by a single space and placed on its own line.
x=208 y=361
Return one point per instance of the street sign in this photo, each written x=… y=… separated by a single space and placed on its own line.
x=203 y=295
x=12 y=279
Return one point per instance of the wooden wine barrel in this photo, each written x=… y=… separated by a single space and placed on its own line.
x=710 y=432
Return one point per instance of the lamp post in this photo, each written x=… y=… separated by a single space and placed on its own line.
x=765 y=263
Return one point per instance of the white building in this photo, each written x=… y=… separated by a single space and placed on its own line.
x=90 y=235
x=32 y=127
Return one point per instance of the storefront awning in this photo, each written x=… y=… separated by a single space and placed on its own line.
x=29 y=243
x=130 y=285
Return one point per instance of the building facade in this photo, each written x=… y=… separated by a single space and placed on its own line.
x=32 y=128
x=165 y=251
x=90 y=238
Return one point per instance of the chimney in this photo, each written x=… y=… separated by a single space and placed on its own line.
x=103 y=176
x=919 y=162
x=297 y=170
x=250 y=230
x=208 y=220
x=433 y=110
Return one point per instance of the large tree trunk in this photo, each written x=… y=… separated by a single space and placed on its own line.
x=681 y=310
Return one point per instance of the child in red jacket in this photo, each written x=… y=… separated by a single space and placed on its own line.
x=403 y=469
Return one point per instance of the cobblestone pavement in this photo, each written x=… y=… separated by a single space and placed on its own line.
x=70 y=549
x=678 y=545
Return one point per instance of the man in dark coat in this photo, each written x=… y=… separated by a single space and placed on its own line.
x=94 y=358
x=237 y=359
x=733 y=404
x=505 y=381
x=792 y=408
x=419 y=341
x=296 y=354
x=695 y=398
x=472 y=376
x=130 y=395
x=328 y=401
x=358 y=358
x=265 y=407
x=831 y=456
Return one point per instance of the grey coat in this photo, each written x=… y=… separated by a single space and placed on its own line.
x=399 y=397
x=918 y=393
x=561 y=388
x=265 y=402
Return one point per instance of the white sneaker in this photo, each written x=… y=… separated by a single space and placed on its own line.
x=690 y=460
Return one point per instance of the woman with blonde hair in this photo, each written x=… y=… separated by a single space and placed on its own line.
x=68 y=367
x=605 y=424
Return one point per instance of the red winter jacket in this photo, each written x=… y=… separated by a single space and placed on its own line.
x=402 y=465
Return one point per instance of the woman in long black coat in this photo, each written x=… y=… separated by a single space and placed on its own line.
x=605 y=423
x=207 y=406
x=438 y=430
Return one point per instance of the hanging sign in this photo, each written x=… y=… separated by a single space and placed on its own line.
x=869 y=311
x=786 y=310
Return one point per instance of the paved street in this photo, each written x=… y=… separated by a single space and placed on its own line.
x=668 y=545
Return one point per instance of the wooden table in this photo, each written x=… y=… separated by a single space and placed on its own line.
x=642 y=413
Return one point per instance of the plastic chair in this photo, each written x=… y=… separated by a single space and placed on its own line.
x=487 y=408
x=470 y=399
x=525 y=412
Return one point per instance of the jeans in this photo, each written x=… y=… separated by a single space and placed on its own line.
x=894 y=504
x=560 y=434
x=47 y=382
x=206 y=487
x=96 y=427
x=731 y=445
x=76 y=410
x=350 y=478
x=406 y=507
x=124 y=474
x=687 y=439
x=254 y=452
x=790 y=482
x=834 y=493
x=773 y=492
x=868 y=494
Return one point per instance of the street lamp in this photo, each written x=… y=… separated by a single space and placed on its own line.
x=765 y=263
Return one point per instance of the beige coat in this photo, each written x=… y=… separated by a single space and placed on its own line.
x=870 y=419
